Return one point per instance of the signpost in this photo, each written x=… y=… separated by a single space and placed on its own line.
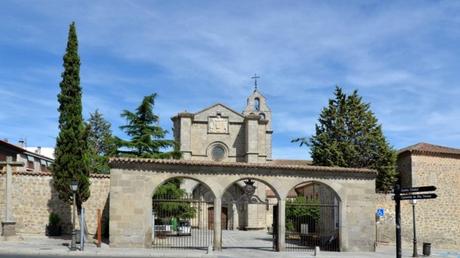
x=418 y=196
x=403 y=194
x=418 y=189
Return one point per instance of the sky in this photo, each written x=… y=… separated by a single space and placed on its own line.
x=403 y=57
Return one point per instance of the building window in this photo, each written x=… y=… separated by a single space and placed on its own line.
x=257 y=104
x=218 y=153
x=43 y=166
x=30 y=163
x=262 y=116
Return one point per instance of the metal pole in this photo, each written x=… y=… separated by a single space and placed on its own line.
x=398 y=220
x=414 y=252
x=73 y=244
x=82 y=229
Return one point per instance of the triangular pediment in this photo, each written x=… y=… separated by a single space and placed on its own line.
x=218 y=108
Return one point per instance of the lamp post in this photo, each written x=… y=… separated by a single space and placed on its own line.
x=414 y=252
x=73 y=244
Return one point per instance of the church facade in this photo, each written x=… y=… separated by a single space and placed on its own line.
x=218 y=133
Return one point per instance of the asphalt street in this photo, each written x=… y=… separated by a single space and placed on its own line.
x=56 y=256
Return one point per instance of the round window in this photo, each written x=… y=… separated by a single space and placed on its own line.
x=218 y=153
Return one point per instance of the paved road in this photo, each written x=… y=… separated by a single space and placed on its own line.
x=55 y=256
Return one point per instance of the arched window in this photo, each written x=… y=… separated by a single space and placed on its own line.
x=261 y=116
x=257 y=104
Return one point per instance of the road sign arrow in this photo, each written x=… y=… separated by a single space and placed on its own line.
x=418 y=196
x=418 y=189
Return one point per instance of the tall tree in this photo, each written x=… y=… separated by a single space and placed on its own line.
x=147 y=136
x=348 y=135
x=101 y=142
x=71 y=161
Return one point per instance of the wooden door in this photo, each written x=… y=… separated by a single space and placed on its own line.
x=223 y=218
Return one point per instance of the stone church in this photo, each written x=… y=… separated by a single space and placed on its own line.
x=221 y=134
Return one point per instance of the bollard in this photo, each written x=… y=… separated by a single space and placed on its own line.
x=426 y=249
x=209 y=250
x=316 y=251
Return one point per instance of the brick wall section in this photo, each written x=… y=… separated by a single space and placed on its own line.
x=438 y=220
x=34 y=199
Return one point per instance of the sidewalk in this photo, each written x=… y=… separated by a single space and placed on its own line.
x=40 y=245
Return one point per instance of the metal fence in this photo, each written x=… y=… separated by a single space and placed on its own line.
x=182 y=223
x=310 y=225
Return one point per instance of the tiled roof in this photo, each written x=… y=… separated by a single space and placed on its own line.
x=30 y=173
x=426 y=148
x=300 y=162
x=23 y=150
x=114 y=162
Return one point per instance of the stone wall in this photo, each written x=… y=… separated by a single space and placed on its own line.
x=437 y=220
x=34 y=199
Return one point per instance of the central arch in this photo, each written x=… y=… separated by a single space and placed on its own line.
x=249 y=202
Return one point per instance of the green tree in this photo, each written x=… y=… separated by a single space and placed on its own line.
x=71 y=161
x=173 y=208
x=349 y=135
x=147 y=137
x=101 y=142
x=301 y=209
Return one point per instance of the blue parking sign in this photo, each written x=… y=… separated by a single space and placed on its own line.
x=380 y=212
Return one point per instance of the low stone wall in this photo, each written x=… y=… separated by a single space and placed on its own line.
x=433 y=223
x=34 y=198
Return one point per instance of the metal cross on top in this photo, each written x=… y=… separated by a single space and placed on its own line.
x=9 y=163
x=255 y=77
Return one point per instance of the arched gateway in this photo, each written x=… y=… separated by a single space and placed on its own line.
x=133 y=181
x=230 y=184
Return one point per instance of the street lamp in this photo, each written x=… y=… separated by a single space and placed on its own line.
x=73 y=244
x=414 y=252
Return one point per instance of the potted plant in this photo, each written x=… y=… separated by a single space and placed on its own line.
x=53 y=228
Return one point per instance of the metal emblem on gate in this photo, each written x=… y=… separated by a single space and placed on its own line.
x=249 y=195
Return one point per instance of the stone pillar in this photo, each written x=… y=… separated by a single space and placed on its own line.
x=252 y=134
x=217 y=224
x=281 y=224
x=186 y=135
x=268 y=144
x=8 y=223
x=235 y=220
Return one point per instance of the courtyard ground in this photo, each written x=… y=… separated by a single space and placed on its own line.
x=236 y=244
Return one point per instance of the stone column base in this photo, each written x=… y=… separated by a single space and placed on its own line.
x=8 y=228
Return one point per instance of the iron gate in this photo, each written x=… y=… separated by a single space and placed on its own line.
x=181 y=223
x=310 y=225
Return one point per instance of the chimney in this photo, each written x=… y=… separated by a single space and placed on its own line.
x=22 y=143
x=39 y=150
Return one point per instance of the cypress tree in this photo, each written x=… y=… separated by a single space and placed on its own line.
x=71 y=152
x=348 y=135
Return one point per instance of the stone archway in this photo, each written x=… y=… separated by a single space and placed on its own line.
x=250 y=203
x=180 y=214
x=313 y=217
x=133 y=180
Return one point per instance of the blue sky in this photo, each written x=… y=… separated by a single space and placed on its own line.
x=402 y=56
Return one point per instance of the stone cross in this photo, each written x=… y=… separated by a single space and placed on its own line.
x=8 y=220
